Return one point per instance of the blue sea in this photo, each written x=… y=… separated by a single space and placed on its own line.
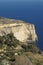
x=27 y=10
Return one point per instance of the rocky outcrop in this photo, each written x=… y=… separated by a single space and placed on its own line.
x=24 y=32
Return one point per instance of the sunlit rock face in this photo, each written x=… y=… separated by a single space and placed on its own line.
x=24 y=32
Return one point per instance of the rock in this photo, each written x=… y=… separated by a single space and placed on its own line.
x=16 y=54
x=22 y=60
x=24 y=32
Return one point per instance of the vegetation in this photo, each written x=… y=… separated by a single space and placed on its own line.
x=9 y=40
x=8 y=43
x=31 y=48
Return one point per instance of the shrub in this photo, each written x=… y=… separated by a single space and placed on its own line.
x=39 y=52
x=30 y=47
x=9 y=40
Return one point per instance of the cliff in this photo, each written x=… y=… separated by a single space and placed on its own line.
x=17 y=43
x=24 y=32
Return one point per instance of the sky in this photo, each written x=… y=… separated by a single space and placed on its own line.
x=21 y=0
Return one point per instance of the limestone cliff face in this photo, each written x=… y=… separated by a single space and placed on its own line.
x=24 y=32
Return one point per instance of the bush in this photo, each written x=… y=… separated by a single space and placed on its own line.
x=30 y=47
x=9 y=40
x=39 y=52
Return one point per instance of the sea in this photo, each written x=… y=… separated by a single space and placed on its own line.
x=30 y=11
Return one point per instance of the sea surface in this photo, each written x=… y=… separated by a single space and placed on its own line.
x=27 y=10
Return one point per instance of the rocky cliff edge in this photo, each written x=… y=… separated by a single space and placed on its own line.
x=24 y=32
